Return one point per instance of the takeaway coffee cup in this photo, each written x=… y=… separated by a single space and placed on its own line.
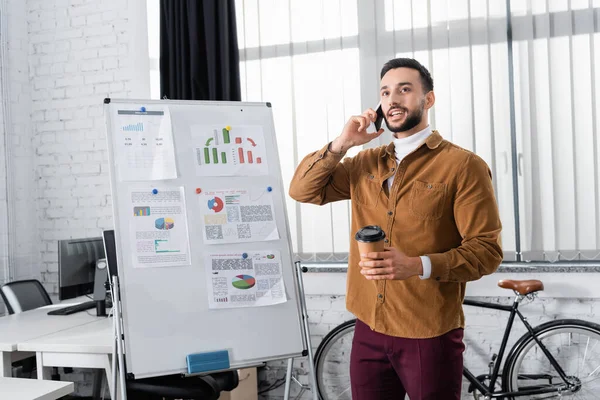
x=370 y=238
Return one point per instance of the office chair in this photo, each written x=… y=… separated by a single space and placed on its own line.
x=169 y=387
x=25 y=295
x=19 y=296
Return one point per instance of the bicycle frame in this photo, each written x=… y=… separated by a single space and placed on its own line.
x=489 y=392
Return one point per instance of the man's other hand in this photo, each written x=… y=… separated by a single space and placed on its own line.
x=390 y=264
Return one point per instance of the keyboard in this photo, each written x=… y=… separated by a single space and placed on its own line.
x=73 y=309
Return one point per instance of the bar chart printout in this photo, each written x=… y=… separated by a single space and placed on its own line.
x=229 y=150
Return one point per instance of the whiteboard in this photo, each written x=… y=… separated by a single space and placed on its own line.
x=165 y=310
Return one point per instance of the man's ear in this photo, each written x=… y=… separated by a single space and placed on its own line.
x=429 y=99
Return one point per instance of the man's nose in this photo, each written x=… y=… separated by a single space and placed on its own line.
x=394 y=100
x=393 y=104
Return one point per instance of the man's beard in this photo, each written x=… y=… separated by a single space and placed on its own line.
x=412 y=119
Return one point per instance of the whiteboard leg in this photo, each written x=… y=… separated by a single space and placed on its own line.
x=115 y=370
x=311 y=364
x=288 y=379
x=117 y=316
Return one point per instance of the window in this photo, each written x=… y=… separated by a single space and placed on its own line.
x=318 y=78
x=303 y=57
x=318 y=62
x=557 y=86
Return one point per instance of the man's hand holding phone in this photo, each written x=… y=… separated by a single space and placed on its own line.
x=356 y=131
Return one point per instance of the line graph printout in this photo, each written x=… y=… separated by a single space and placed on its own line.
x=229 y=150
x=237 y=216
x=144 y=144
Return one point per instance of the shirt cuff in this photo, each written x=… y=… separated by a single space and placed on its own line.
x=426 y=261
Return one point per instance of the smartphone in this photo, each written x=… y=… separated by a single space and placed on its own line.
x=379 y=119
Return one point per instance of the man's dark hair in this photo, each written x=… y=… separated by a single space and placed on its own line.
x=426 y=79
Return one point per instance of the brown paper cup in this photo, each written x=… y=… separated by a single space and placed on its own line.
x=370 y=238
x=364 y=248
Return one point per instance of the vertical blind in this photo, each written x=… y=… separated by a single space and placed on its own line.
x=557 y=46
x=305 y=58
x=464 y=45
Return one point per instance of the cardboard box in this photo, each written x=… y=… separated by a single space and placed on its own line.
x=247 y=389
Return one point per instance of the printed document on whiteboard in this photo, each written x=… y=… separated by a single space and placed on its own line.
x=252 y=279
x=144 y=149
x=158 y=227
x=237 y=215
x=223 y=150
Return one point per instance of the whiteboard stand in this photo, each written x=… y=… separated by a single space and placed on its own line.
x=118 y=346
x=119 y=339
x=311 y=365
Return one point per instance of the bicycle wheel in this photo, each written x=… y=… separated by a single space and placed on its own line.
x=332 y=363
x=575 y=345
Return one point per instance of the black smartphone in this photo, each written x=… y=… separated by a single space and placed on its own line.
x=379 y=119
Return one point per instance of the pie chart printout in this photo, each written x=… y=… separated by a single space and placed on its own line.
x=243 y=282
x=216 y=204
x=164 y=223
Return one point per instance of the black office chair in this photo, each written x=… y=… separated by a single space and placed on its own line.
x=207 y=387
x=19 y=296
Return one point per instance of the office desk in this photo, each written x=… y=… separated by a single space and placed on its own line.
x=86 y=346
x=32 y=324
x=30 y=389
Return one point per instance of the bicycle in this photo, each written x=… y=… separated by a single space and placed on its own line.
x=544 y=363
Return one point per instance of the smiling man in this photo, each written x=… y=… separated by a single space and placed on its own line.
x=436 y=204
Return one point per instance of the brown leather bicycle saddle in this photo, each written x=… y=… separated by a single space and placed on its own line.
x=522 y=287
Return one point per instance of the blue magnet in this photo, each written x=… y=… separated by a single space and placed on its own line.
x=245 y=255
x=154 y=191
x=269 y=189
x=143 y=109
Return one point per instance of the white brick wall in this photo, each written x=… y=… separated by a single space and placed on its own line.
x=79 y=54
x=483 y=333
x=68 y=56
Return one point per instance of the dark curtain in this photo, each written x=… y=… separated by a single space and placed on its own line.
x=199 y=58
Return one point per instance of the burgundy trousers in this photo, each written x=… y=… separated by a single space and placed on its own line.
x=384 y=367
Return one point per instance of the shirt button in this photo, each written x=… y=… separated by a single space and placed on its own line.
x=390 y=212
x=386 y=240
x=380 y=296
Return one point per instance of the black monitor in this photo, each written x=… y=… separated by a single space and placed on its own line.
x=110 y=249
x=77 y=266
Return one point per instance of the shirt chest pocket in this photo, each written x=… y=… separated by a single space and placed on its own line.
x=427 y=200
x=368 y=190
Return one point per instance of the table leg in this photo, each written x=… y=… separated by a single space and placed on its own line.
x=42 y=373
x=97 y=388
x=5 y=364
x=109 y=371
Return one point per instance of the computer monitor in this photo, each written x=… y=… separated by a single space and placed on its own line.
x=110 y=249
x=77 y=266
